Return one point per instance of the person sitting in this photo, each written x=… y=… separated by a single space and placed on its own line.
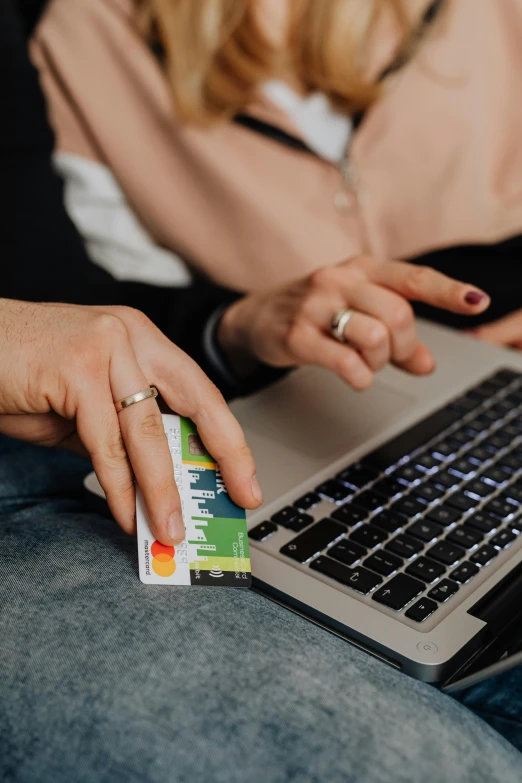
x=262 y=140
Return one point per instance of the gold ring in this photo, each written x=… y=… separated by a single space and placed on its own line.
x=138 y=397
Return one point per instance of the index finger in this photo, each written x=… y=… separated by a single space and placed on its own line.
x=423 y=284
x=192 y=394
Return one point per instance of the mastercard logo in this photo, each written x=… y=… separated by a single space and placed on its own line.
x=163 y=563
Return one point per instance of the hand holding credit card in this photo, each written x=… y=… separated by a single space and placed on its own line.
x=215 y=549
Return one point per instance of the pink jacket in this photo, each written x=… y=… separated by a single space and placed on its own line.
x=439 y=158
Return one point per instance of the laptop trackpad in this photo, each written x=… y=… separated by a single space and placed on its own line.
x=309 y=420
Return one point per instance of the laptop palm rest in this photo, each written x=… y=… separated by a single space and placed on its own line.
x=309 y=420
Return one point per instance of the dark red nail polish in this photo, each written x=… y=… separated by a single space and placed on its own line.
x=474 y=297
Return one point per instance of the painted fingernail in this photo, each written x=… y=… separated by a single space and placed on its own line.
x=175 y=527
x=256 y=489
x=475 y=297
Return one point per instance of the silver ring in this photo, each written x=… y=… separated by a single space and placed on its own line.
x=138 y=397
x=339 y=323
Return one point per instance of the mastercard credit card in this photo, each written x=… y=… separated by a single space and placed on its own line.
x=215 y=549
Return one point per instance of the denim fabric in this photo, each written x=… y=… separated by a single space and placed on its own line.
x=105 y=679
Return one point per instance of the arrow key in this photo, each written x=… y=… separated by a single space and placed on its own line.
x=443 y=590
x=399 y=591
x=421 y=610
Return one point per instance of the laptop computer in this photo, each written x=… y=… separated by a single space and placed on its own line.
x=393 y=517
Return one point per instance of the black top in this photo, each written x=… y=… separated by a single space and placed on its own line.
x=42 y=254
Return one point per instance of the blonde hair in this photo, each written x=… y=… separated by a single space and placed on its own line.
x=216 y=56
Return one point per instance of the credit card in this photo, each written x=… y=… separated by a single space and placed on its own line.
x=215 y=549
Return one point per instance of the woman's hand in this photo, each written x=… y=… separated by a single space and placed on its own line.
x=291 y=326
x=62 y=367
x=506 y=331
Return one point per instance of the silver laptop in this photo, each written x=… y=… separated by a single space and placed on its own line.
x=393 y=517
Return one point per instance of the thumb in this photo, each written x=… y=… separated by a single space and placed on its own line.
x=43 y=429
x=505 y=331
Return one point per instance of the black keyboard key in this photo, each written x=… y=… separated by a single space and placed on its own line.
x=409 y=474
x=463 y=467
x=462 y=437
x=500 y=508
x=466 y=404
x=370 y=500
x=285 y=516
x=421 y=610
x=446 y=479
x=357 y=476
x=299 y=522
x=478 y=454
x=501 y=408
x=461 y=501
x=369 y=536
x=425 y=530
x=357 y=578
x=443 y=590
x=484 y=555
x=334 y=490
x=515 y=397
x=263 y=531
x=348 y=552
x=388 y=488
x=464 y=572
x=512 y=462
x=483 y=522
x=503 y=539
x=384 y=563
x=313 y=540
x=507 y=376
x=429 y=491
x=493 y=414
x=443 y=515
x=309 y=500
x=514 y=493
x=425 y=569
x=444 y=449
x=404 y=546
x=412 y=439
x=479 y=488
x=408 y=506
x=465 y=536
x=483 y=392
x=426 y=461
x=495 y=475
x=389 y=521
x=350 y=514
x=516 y=524
x=399 y=591
x=446 y=553
x=496 y=442
x=478 y=425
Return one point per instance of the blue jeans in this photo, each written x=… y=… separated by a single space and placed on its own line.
x=105 y=679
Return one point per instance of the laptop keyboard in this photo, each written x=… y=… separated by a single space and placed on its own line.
x=423 y=514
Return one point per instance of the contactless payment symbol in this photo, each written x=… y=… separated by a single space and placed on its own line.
x=163 y=563
x=216 y=572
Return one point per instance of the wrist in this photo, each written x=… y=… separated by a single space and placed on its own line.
x=235 y=341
